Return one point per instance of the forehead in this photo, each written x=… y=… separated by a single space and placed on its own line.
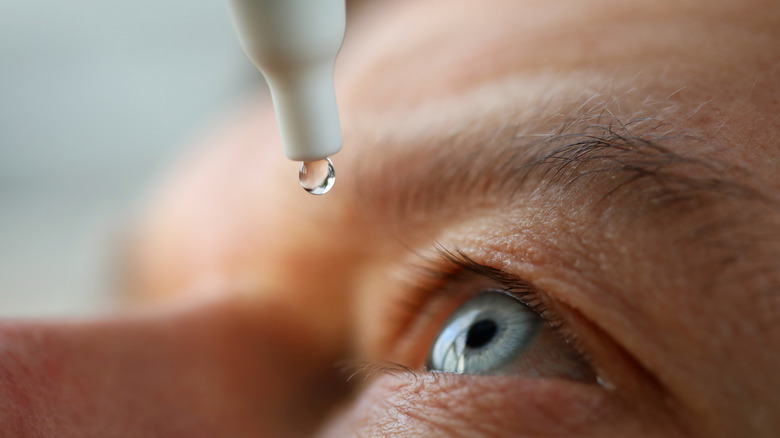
x=713 y=60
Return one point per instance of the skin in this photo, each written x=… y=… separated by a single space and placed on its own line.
x=260 y=288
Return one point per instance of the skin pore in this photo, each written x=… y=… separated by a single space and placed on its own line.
x=613 y=164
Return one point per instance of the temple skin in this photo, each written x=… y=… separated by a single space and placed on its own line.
x=653 y=239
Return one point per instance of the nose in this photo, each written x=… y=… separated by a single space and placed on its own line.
x=233 y=366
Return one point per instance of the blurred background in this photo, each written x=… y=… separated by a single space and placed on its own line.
x=96 y=100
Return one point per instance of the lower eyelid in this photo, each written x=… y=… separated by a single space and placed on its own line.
x=462 y=405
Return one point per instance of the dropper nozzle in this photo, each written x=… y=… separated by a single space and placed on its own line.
x=294 y=43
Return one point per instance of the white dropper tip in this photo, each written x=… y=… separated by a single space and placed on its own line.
x=294 y=43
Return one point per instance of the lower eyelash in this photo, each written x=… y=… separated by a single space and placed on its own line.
x=363 y=371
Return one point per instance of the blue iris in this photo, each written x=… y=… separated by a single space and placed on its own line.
x=484 y=335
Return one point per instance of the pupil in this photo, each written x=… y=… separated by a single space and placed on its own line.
x=481 y=333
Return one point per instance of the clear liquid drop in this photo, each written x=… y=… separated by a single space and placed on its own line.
x=317 y=177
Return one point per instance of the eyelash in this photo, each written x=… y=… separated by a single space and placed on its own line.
x=437 y=276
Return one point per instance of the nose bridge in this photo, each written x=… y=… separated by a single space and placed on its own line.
x=287 y=367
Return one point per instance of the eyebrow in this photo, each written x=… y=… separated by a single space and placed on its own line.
x=643 y=164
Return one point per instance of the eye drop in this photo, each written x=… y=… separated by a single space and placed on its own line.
x=294 y=44
x=317 y=177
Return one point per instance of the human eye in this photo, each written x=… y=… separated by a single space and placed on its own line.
x=488 y=322
x=496 y=333
x=450 y=337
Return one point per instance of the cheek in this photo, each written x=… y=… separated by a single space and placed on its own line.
x=484 y=406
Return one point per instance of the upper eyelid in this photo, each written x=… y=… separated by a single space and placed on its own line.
x=512 y=284
x=450 y=273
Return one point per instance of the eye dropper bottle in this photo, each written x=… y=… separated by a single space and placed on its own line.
x=294 y=44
